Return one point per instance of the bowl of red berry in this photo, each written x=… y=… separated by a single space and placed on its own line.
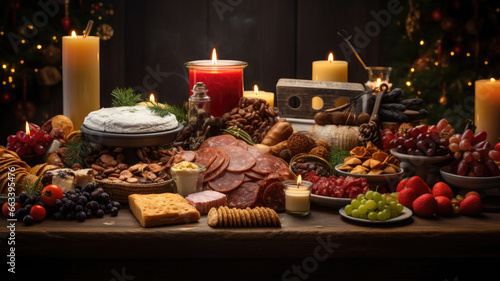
x=30 y=145
x=336 y=192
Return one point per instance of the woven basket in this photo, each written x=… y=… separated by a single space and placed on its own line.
x=119 y=191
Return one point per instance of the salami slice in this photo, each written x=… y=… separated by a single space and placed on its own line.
x=206 y=156
x=242 y=144
x=254 y=175
x=187 y=155
x=239 y=159
x=278 y=162
x=274 y=196
x=243 y=196
x=218 y=171
x=227 y=181
x=219 y=159
x=219 y=141
x=285 y=174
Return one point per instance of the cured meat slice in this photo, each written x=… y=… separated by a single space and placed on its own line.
x=254 y=175
x=219 y=159
x=274 y=196
x=278 y=162
x=263 y=165
x=218 y=171
x=227 y=181
x=219 y=141
x=206 y=156
x=187 y=155
x=239 y=159
x=203 y=201
x=242 y=144
x=285 y=174
x=243 y=196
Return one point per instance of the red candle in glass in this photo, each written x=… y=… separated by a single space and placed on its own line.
x=224 y=81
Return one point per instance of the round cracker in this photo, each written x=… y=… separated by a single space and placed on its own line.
x=213 y=217
x=220 y=219
x=265 y=216
x=229 y=217
x=248 y=218
x=253 y=219
x=258 y=217
x=243 y=218
x=236 y=214
x=274 y=217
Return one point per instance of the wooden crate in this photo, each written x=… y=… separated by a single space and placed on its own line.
x=294 y=96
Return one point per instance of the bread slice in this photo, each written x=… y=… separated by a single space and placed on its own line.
x=161 y=209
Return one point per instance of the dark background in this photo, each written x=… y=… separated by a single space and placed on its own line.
x=278 y=39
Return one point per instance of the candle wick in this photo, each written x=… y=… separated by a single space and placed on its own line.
x=87 y=29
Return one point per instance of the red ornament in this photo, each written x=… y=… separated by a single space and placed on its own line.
x=437 y=15
x=65 y=23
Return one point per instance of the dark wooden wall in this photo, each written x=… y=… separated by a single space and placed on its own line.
x=278 y=39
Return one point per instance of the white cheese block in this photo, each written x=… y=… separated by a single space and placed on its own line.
x=83 y=176
x=64 y=178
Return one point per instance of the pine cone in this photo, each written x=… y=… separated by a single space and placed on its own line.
x=369 y=132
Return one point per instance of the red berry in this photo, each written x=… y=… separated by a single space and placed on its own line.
x=12 y=139
x=425 y=205
x=442 y=189
x=444 y=206
x=471 y=205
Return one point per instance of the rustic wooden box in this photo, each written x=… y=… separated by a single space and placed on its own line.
x=294 y=96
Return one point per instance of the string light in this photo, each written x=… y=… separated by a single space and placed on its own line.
x=469 y=83
x=21 y=61
x=12 y=70
x=419 y=93
x=421 y=42
x=23 y=41
x=412 y=69
x=54 y=38
x=36 y=69
x=10 y=79
x=1 y=33
x=452 y=53
x=468 y=54
x=4 y=66
x=38 y=47
x=485 y=62
x=436 y=63
x=408 y=83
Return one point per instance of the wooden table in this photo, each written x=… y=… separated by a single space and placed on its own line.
x=320 y=241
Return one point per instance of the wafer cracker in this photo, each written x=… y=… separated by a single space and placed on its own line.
x=213 y=217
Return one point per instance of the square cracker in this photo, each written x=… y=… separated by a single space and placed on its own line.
x=162 y=209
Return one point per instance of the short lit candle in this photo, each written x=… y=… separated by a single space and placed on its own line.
x=329 y=70
x=297 y=196
x=80 y=67
x=267 y=96
x=487 y=108
x=223 y=79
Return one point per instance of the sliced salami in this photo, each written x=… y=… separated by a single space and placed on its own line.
x=254 y=175
x=239 y=159
x=187 y=155
x=242 y=144
x=243 y=196
x=285 y=174
x=274 y=196
x=227 y=181
x=218 y=171
x=219 y=159
x=278 y=162
x=263 y=165
x=219 y=141
x=206 y=156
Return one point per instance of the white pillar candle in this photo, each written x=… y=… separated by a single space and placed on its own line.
x=257 y=94
x=329 y=70
x=487 y=108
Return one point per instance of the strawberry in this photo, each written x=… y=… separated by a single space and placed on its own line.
x=401 y=184
x=444 y=206
x=406 y=197
x=419 y=185
x=442 y=189
x=471 y=205
x=425 y=205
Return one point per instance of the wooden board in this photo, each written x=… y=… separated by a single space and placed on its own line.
x=294 y=96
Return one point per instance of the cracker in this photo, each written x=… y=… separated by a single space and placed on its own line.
x=224 y=215
x=258 y=217
x=253 y=219
x=265 y=216
x=220 y=218
x=35 y=170
x=213 y=217
x=274 y=219
x=229 y=217
x=161 y=209
x=238 y=217
x=243 y=218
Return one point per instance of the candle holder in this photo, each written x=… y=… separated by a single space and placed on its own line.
x=378 y=75
x=224 y=80
x=297 y=197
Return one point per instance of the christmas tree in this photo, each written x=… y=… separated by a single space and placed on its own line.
x=439 y=49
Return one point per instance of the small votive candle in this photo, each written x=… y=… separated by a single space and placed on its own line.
x=297 y=197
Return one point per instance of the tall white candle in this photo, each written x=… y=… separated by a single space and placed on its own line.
x=487 y=108
x=80 y=67
x=329 y=70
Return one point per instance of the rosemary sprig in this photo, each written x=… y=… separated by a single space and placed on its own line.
x=78 y=150
x=163 y=109
x=125 y=97
x=30 y=189
x=240 y=134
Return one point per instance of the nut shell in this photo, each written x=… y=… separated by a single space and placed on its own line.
x=299 y=143
x=320 y=151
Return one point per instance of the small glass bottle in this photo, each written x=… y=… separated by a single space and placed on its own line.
x=199 y=99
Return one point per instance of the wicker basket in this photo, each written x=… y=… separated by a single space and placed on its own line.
x=119 y=191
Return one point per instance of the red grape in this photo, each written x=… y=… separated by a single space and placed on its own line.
x=23 y=150
x=467 y=135
x=457 y=155
x=465 y=145
x=423 y=128
x=477 y=168
x=12 y=139
x=442 y=124
x=492 y=167
x=463 y=167
x=39 y=149
x=494 y=155
x=467 y=156
x=434 y=128
x=40 y=136
x=33 y=141
x=479 y=137
x=409 y=144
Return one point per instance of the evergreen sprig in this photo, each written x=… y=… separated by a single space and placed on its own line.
x=163 y=109
x=78 y=150
x=125 y=97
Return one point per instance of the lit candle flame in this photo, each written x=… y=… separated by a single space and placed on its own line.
x=299 y=180
x=492 y=79
x=73 y=34
x=256 y=89
x=330 y=57
x=379 y=81
x=214 y=57
x=152 y=98
x=27 y=128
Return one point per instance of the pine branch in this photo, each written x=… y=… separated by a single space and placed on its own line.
x=163 y=109
x=125 y=97
x=78 y=150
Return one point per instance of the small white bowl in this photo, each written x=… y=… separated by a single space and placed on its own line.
x=373 y=180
